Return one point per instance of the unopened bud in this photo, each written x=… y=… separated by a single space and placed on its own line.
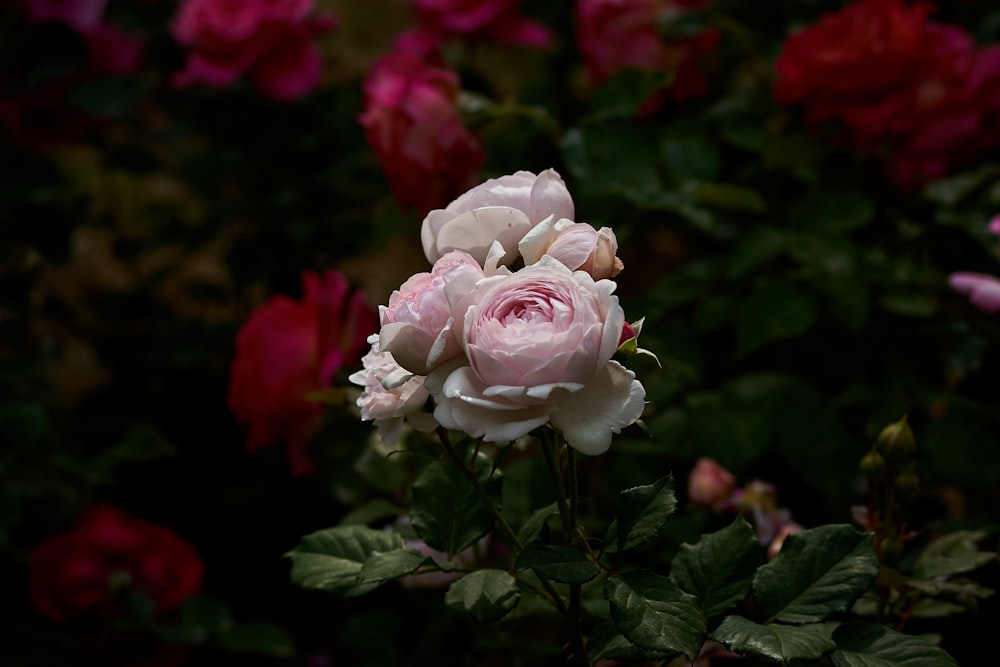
x=872 y=466
x=895 y=442
x=907 y=484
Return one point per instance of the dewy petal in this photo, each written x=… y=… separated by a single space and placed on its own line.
x=612 y=400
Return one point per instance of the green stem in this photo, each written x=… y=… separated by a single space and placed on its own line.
x=551 y=447
x=501 y=521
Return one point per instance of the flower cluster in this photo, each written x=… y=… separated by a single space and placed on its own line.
x=500 y=352
x=288 y=349
x=271 y=41
x=107 y=551
x=983 y=290
x=915 y=91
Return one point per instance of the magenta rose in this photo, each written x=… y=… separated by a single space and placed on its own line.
x=492 y=20
x=288 y=349
x=538 y=345
x=411 y=121
x=81 y=572
x=501 y=209
x=613 y=35
x=270 y=41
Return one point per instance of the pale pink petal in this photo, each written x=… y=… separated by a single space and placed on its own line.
x=612 y=400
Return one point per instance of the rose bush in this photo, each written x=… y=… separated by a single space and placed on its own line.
x=501 y=209
x=412 y=123
x=268 y=40
x=84 y=570
x=288 y=349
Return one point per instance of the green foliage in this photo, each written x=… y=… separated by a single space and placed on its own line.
x=774 y=641
x=642 y=513
x=654 y=614
x=447 y=512
x=559 y=563
x=867 y=645
x=487 y=595
x=818 y=572
x=718 y=569
x=332 y=559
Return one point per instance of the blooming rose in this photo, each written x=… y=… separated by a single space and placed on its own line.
x=577 y=245
x=288 y=349
x=616 y=34
x=391 y=394
x=417 y=323
x=412 y=123
x=76 y=573
x=270 y=40
x=495 y=20
x=915 y=92
x=501 y=209
x=709 y=484
x=539 y=344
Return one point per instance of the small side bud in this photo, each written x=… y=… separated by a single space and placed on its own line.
x=907 y=484
x=872 y=466
x=896 y=442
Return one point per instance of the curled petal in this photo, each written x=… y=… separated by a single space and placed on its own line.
x=612 y=400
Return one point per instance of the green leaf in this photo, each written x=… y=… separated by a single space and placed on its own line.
x=719 y=569
x=874 y=645
x=447 y=511
x=488 y=595
x=331 y=559
x=652 y=613
x=622 y=94
x=642 y=513
x=774 y=641
x=758 y=247
x=689 y=154
x=817 y=572
x=533 y=526
x=775 y=311
x=605 y=642
x=952 y=554
x=382 y=567
x=564 y=564
x=259 y=638
x=614 y=156
x=370 y=511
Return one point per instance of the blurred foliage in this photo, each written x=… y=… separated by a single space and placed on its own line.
x=796 y=300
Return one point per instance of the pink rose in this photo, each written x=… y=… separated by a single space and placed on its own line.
x=417 y=323
x=501 y=209
x=617 y=34
x=577 y=245
x=269 y=40
x=391 y=394
x=288 y=349
x=411 y=121
x=539 y=344
x=75 y=573
x=710 y=485
x=493 y=20
x=983 y=290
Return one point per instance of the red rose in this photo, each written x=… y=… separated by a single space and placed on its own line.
x=917 y=93
x=616 y=34
x=269 y=40
x=79 y=572
x=495 y=20
x=288 y=349
x=412 y=122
